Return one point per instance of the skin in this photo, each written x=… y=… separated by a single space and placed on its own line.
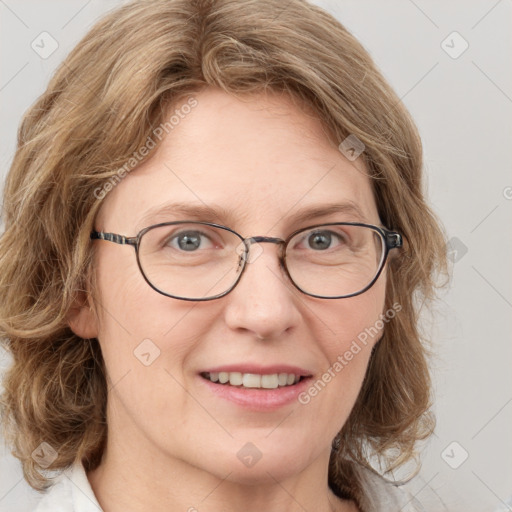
x=172 y=445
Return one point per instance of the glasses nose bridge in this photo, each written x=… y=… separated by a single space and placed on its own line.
x=263 y=239
x=266 y=240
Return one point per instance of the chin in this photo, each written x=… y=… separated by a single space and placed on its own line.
x=261 y=462
x=263 y=472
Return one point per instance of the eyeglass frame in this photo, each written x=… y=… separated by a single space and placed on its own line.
x=392 y=240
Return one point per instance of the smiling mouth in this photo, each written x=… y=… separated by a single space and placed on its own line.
x=253 y=380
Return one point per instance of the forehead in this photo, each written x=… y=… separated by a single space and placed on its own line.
x=257 y=160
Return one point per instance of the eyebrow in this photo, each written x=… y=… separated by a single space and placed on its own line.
x=221 y=215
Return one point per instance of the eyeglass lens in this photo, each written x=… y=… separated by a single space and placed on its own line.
x=198 y=261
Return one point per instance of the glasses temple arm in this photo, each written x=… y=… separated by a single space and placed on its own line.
x=113 y=237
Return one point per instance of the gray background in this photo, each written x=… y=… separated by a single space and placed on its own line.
x=463 y=108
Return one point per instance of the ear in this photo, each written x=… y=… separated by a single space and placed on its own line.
x=82 y=318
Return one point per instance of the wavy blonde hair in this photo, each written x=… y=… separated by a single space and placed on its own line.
x=101 y=105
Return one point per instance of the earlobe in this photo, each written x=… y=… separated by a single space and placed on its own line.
x=82 y=319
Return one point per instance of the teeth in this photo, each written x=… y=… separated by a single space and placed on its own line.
x=253 y=380
x=269 y=381
x=235 y=378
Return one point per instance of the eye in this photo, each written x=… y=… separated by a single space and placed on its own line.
x=190 y=241
x=323 y=240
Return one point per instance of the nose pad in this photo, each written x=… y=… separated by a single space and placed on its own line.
x=248 y=251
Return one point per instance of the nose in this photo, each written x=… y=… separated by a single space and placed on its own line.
x=264 y=303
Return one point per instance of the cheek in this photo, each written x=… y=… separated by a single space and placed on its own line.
x=347 y=331
x=355 y=320
x=146 y=341
x=138 y=327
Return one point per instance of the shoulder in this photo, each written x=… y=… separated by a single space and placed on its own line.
x=381 y=495
x=71 y=492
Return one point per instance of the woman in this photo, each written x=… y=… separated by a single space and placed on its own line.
x=257 y=347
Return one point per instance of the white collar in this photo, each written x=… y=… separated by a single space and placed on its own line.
x=72 y=492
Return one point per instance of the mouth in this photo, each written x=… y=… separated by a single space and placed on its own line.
x=255 y=387
x=254 y=380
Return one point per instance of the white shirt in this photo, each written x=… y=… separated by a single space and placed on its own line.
x=72 y=492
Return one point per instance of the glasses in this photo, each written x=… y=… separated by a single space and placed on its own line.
x=200 y=261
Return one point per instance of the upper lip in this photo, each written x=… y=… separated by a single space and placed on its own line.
x=259 y=369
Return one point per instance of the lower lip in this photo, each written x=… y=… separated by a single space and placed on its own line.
x=257 y=399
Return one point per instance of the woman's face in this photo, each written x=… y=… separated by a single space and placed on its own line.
x=258 y=164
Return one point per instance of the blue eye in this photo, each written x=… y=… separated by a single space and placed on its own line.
x=322 y=240
x=190 y=241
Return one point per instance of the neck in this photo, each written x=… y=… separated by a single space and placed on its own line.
x=133 y=481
